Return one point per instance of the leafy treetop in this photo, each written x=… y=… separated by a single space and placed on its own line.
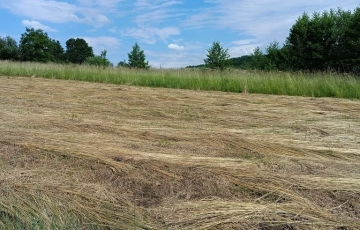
x=9 y=49
x=137 y=58
x=77 y=50
x=217 y=57
x=36 y=46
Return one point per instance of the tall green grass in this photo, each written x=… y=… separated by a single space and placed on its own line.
x=277 y=83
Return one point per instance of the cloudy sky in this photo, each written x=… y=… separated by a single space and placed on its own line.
x=173 y=33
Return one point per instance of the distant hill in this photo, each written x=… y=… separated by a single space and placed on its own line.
x=242 y=62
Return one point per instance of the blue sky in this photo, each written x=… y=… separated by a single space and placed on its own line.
x=173 y=33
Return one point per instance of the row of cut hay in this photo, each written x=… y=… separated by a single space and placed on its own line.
x=62 y=158
x=218 y=198
x=48 y=190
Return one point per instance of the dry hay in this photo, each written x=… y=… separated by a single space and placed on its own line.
x=131 y=157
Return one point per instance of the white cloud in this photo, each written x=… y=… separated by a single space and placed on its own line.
x=155 y=4
x=176 y=47
x=151 y=34
x=55 y=12
x=173 y=60
x=202 y=19
x=37 y=25
x=177 y=40
x=193 y=54
x=111 y=44
x=243 y=47
x=94 y=18
x=196 y=45
x=152 y=17
x=52 y=11
x=100 y=3
x=155 y=11
x=262 y=20
x=149 y=17
x=238 y=51
x=242 y=42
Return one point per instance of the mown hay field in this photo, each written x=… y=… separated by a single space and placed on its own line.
x=80 y=155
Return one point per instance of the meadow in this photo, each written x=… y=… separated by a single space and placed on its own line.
x=232 y=80
x=100 y=151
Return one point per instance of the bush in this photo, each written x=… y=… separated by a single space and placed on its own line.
x=100 y=61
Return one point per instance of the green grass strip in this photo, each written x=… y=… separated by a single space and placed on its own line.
x=277 y=83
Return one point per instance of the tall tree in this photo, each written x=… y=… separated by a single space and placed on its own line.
x=278 y=58
x=58 y=51
x=217 y=57
x=137 y=58
x=77 y=50
x=340 y=48
x=274 y=56
x=259 y=60
x=36 y=46
x=287 y=57
x=9 y=49
x=297 y=42
x=329 y=40
x=352 y=43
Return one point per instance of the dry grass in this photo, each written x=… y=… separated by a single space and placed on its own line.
x=94 y=155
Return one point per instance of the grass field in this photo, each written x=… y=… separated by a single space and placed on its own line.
x=233 y=80
x=80 y=155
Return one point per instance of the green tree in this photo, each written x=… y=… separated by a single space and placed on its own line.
x=36 y=46
x=340 y=48
x=217 y=57
x=100 y=61
x=286 y=58
x=329 y=40
x=77 y=50
x=122 y=64
x=259 y=60
x=274 y=56
x=321 y=41
x=278 y=58
x=242 y=62
x=58 y=51
x=9 y=49
x=351 y=43
x=298 y=40
x=137 y=58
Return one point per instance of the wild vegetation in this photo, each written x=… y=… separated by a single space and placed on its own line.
x=277 y=83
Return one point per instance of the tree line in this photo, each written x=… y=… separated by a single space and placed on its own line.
x=317 y=42
x=328 y=41
x=37 y=46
